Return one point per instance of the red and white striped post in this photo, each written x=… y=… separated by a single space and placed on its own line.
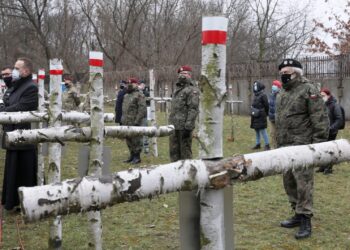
x=216 y=218
x=54 y=170
x=41 y=108
x=96 y=143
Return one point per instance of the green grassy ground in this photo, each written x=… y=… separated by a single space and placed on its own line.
x=153 y=224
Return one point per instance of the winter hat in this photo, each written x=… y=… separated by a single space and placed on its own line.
x=184 y=68
x=277 y=84
x=326 y=91
x=290 y=63
x=258 y=86
x=133 y=80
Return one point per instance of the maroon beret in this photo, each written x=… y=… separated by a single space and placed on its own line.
x=184 y=68
x=133 y=80
x=326 y=91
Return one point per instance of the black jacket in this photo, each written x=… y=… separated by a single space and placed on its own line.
x=260 y=102
x=119 y=105
x=334 y=114
x=22 y=96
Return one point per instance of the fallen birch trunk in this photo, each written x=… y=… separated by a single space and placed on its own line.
x=35 y=116
x=77 y=134
x=94 y=193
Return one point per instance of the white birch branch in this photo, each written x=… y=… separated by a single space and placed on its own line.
x=93 y=193
x=83 y=134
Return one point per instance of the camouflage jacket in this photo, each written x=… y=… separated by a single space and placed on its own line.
x=184 y=107
x=70 y=99
x=134 y=108
x=301 y=115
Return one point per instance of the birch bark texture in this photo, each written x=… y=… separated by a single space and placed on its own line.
x=91 y=193
x=96 y=141
x=41 y=108
x=54 y=168
x=152 y=83
x=215 y=211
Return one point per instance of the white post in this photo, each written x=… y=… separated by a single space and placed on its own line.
x=41 y=108
x=215 y=205
x=152 y=82
x=54 y=170
x=96 y=143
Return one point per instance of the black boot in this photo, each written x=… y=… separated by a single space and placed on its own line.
x=267 y=147
x=131 y=157
x=320 y=169
x=305 y=228
x=257 y=146
x=295 y=221
x=328 y=170
x=136 y=159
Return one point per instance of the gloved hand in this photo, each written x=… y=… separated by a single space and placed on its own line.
x=187 y=133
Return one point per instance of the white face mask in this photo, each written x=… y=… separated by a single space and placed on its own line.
x=15 y=75
x=324 y=98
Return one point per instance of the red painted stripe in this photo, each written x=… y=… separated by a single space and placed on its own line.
x=56 y=71
x=41 y=77
x=214 y=37
x=96 y=62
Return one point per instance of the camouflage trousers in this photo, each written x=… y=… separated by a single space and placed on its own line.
x=180 y=145
x=134 y=144
x=299 y=185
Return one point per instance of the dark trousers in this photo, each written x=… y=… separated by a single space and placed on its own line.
x=20 y=170
x=134 y=144
x=180 y=145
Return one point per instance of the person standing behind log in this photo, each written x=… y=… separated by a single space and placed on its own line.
x=301 y=118
x=70 y=98
x=134 y=110
x=119 y=102
x=21 y=161
x=183 y=114
x=275 y=89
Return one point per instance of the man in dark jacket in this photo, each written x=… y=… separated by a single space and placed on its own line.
x=119 y=102
x=335 y=120
x=260 y=109
x=183 y=114
x=301 y=118
x=21 y=161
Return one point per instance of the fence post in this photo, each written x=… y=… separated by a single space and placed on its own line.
x=216 y=215
x=54 y=170
x=96 y=142
x=41 y=108
x=152 y=82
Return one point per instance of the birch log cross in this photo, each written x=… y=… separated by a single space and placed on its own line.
x=95 y=193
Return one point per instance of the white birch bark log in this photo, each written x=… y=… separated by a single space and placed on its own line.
x=97 y=136
x=42 y=115
x=152 y=83
x=41 y=108
x=91 y=193
x=211 y=118
x=83 y=134
x=54 y=169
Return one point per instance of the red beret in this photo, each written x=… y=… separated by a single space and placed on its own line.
x=326 y=91
x=133 y=80
x=277 y=83
x=184 y=68
x=68 y=77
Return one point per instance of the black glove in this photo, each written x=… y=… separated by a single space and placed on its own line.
x=187 y=133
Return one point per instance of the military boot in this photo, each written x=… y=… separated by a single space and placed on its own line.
x=136 y=159
x=257 y=146
x=304 y=229
x=267 y=147
x=292 y=222
x=131 y=157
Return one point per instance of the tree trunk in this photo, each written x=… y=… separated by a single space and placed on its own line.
x=72 y=133
x=54 y=170
x=93 y=193
x=41 y=162
x=152 y=82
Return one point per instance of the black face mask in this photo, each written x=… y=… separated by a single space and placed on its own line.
x=7 y=81
x=129 y=88
x=285 y=78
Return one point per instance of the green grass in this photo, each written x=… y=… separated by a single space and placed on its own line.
x=153 y=224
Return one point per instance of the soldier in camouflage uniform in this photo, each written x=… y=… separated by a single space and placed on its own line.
x=301 y=118
x=134 y=110
x=70 y=98
x=183 y=114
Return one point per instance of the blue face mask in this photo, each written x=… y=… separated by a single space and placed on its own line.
x=275 y=89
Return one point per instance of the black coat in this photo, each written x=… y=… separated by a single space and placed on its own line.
x=334 y=114
x=21 y=162
x=119 y=105
x=261 y=103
